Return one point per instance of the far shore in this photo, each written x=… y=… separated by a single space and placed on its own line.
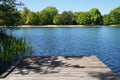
x=57 y=26
x=54 y=26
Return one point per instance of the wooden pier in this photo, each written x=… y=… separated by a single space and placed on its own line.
x=61 y=68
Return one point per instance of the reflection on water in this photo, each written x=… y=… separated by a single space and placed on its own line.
x=11 y=50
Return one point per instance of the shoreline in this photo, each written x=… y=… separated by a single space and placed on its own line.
x=60 y=26
x=57 y=26
x=54 y=26
x=65 y=26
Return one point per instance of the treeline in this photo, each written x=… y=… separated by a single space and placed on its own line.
x=50 y=16
x=9 y=15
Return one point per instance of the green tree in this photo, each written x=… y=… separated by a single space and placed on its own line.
x=46 y=15
x=9 y=15
x=107 y=20
x=32 y=18
x=67 y=17
x=57 y=19
x=96 y=16
x=24 y=14
x=74 y=18
x=43 y=16
x=115 y=15
x=83 y=18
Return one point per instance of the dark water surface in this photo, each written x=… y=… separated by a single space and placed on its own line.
x=104 y=42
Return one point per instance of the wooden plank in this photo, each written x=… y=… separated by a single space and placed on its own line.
x=59 y=78
x=62 y=68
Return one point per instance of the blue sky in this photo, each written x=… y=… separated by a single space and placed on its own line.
x=74 y=5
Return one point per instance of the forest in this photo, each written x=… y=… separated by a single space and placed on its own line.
x=9 y=15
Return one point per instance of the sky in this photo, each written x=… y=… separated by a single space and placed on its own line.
x=105 y=6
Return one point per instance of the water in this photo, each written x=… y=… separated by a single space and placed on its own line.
x=103 y=42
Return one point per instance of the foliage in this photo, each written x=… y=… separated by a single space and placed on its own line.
x=83 y=18
x=46 y=15
x=9 y=15
x=112 y=18
x=11 y=50
x=32 y=19
x=107 y=20
x=24 y=14
x=65 y=18
x=115 y=15
x=57 y=19
x=96 y=16
x=12 y=3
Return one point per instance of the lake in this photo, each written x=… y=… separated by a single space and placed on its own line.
x=103 y=42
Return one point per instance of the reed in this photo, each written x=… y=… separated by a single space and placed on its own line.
x=11 y=50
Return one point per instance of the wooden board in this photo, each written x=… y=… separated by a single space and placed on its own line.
x=62 y=68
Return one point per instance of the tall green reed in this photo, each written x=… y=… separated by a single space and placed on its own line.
x=11 y=50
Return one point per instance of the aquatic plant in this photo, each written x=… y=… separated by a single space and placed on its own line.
x=11 y=50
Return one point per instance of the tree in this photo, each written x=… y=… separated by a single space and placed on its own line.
x=107 y=20
x=96 y=16
x=9 y=15
x=57 y=19
x=24 y=14
x=115 y=15
x=83 y=18
x=12 y=3
x=67 y=17
x=32 y=18
x=74 y=18
x=46 y=15
x=43 y=16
